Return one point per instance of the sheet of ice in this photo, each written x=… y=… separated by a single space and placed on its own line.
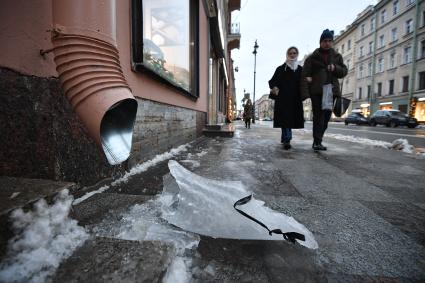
x=205 y=206
x=143 y=222
x=44 y=237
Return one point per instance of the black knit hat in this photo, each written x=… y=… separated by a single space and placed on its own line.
x=327 y=34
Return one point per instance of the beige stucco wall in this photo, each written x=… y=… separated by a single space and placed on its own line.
x=25 y=29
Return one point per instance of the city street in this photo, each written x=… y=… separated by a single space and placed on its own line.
x=415 y=137
x=364 y=205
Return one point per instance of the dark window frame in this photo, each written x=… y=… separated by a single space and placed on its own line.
x=137 y=48
x=391 y=84
x=421 y=81
x=405 y=87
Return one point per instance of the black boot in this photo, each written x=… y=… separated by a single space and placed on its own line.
x=318 y=146
x=287 y=145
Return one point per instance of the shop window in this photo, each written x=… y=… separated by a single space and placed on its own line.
x=405 y=84
x=165 y=41
x=403 y=108
x=422 y=80
x=420 y=111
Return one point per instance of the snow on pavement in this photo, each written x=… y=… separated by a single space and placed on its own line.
x=43 y=238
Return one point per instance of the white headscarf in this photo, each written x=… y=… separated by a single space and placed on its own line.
x=292 y=63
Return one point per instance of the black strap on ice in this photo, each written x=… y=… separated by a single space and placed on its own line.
x=289 y=236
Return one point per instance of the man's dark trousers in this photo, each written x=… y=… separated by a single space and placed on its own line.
x=320 y=118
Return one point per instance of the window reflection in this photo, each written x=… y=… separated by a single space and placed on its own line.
x=166 y=36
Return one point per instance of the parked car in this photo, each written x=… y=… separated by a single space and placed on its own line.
x=392 y=118
x=267 y=119
x=356 y=118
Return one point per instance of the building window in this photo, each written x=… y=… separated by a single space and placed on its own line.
x=348 y=64
x=369 y=69
x=391 y=87
x=409 y=26
x=342 y=48
x=362 y=29
x=394 y=34
x=423 y=18
x=360 y=93
x=396 y=7
x=405 y=84
x=392 y=60
x=361 y=51
x=372 y=24
x=407 y=55
x=422 y=80
x=361 y=71
x=381 y=41
x=379 y=89
x=383 y=16
x=370 y=47
x=349 y=44
x=165 y=41
x=368 y=91
x=423 y=48
x=380 y=65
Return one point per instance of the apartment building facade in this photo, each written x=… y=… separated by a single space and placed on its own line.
x=264 y=107
x=384 y=49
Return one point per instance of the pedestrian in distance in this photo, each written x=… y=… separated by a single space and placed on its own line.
x=320 y=75
x=247 y=110
x=286 y=92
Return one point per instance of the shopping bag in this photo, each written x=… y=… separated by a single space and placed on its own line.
x=341 y=105
x=327 y=98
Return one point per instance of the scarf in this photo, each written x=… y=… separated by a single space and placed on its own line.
x=292 y=63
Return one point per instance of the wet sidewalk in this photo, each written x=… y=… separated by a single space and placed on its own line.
x=364 y=205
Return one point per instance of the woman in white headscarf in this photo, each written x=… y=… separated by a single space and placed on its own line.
x=285 y=90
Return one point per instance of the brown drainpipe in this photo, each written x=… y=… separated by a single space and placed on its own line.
x=87 y=61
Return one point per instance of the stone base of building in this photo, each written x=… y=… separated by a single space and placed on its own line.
x=41 y=137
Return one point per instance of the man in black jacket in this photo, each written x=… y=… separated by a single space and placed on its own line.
x=323 y=67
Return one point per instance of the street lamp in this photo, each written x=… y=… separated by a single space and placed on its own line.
x=255 y=66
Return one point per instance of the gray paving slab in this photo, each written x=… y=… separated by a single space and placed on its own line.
x=113 y=260
x=105 y=205
x=354 y=240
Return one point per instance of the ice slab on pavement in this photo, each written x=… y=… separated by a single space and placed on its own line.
x=205 y=206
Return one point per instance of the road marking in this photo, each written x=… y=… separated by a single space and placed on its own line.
x=383 y=133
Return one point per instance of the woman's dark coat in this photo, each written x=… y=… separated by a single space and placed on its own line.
x=288 y=107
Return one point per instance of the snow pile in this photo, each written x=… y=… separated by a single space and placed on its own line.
x=403 y=145
x=90 y=194
x=146 y=165
x=136 y=170
x=205 y=206
x=355 y=139
x=44 y=237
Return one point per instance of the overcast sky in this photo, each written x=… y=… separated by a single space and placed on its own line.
x=279 y=24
